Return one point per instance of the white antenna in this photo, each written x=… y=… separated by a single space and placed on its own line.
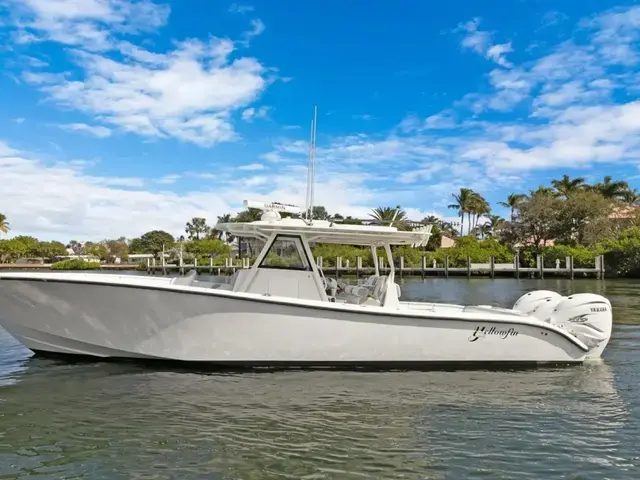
x=311 y=173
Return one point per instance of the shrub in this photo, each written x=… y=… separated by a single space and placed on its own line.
x=583 y=257
x=412 y=256
x=622 y=255
x=329 y=253
x=75 y=264
x=480 y=251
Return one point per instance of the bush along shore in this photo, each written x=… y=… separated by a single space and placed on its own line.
x=596 y=226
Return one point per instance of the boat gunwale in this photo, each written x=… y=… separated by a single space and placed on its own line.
x=318 y=305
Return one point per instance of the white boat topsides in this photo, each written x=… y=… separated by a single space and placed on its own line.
x=283 y=309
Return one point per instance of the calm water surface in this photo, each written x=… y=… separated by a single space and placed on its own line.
x=97 y=420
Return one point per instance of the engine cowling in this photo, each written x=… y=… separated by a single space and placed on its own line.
x=587 y=316
x=539 y=303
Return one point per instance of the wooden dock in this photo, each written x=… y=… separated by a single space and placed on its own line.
x=339 y=268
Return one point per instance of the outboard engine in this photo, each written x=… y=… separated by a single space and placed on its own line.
x=587 y=316
x=539 y=304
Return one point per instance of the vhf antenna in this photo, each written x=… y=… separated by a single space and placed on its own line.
x=311 y=172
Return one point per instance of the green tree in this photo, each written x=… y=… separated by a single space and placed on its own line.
x=463 y=203
x=51 y=249
x=493 y=226
x=542 y=190
x=537 y=221
x=610 y=189
x=197 y=228
x=320 y=213
x=207 y=247
x=349 y=220
x=577 y=213
x=386 y=216
x=96 y=249
x=116 y=249
x=631 y=197
x=249 y=215
x=513 y=200
x=152 y=242
x=220 y=235
x=567 y=185
x=11 y=250
x=478 y=208
x=4 y=224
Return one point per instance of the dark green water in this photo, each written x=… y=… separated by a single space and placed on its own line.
x=111 y=421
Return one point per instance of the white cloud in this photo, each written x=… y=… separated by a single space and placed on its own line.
x=475 y=39
x=89 y=23
x=169 y=179
x=481 y=42
x=443 y=120
x=251 y=113
x=95 y=130
x=6 y=150
x=252 y=166
x=364 y=116
x=105 y=207
x=237 y=8
x=187 y=93
x=497 y=54
x=35 y=62
x=257 y=27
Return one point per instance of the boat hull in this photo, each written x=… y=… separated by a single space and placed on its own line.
x=156 y=322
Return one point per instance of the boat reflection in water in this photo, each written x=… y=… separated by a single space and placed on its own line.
x=99 y=418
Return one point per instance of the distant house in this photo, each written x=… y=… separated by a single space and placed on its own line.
x=530 y=241
x=446 y=241
x=623 y=212
x=88 y=258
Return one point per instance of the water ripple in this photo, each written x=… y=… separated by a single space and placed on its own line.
x=111 y=421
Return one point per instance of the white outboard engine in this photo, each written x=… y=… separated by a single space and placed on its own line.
x=587 y=316
x=539 y=304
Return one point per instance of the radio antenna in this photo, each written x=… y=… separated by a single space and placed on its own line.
x=311 y=172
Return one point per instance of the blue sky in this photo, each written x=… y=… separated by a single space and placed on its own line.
x=122 y=116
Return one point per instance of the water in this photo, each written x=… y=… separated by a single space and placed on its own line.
x=112 y=421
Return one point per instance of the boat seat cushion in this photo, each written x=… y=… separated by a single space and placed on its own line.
x=356 y=294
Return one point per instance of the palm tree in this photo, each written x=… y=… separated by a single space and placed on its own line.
x=463 y=202
x=513 y=200
x=4 y=225
x=632 y=197
x=478 y=208
x=226 y=218
x=611 y=189
x=197 y=228
x=567 y=185
x=431 y=219
x=247 y=216
x=495 y=223
x=543 y=191
x=448 y=229
x=483 y=230
x=390 y=216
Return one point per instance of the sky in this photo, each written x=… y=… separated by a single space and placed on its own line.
x=118 y=117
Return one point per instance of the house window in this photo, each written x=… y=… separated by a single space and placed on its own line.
x=286 y=252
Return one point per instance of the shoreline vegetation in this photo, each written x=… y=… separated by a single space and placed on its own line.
x=568 y=219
